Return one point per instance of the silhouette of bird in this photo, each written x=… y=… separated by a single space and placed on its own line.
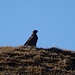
x=32 y=40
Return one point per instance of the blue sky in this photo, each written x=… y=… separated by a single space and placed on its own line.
x=54 y=19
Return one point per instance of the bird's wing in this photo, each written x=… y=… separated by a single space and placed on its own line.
x=30 y=39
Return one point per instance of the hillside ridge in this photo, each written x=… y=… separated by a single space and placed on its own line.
x=36 y=61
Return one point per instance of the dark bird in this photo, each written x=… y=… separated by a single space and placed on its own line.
x=32 y=40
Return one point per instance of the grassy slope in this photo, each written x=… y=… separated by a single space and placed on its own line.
x=39 y=61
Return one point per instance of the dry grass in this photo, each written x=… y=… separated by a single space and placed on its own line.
x=36 y=61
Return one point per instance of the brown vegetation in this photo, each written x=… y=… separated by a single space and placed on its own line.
x=36 y=61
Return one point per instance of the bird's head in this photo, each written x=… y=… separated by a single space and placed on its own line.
x=35 y=31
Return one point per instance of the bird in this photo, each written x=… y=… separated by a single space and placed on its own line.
x=32 y=39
